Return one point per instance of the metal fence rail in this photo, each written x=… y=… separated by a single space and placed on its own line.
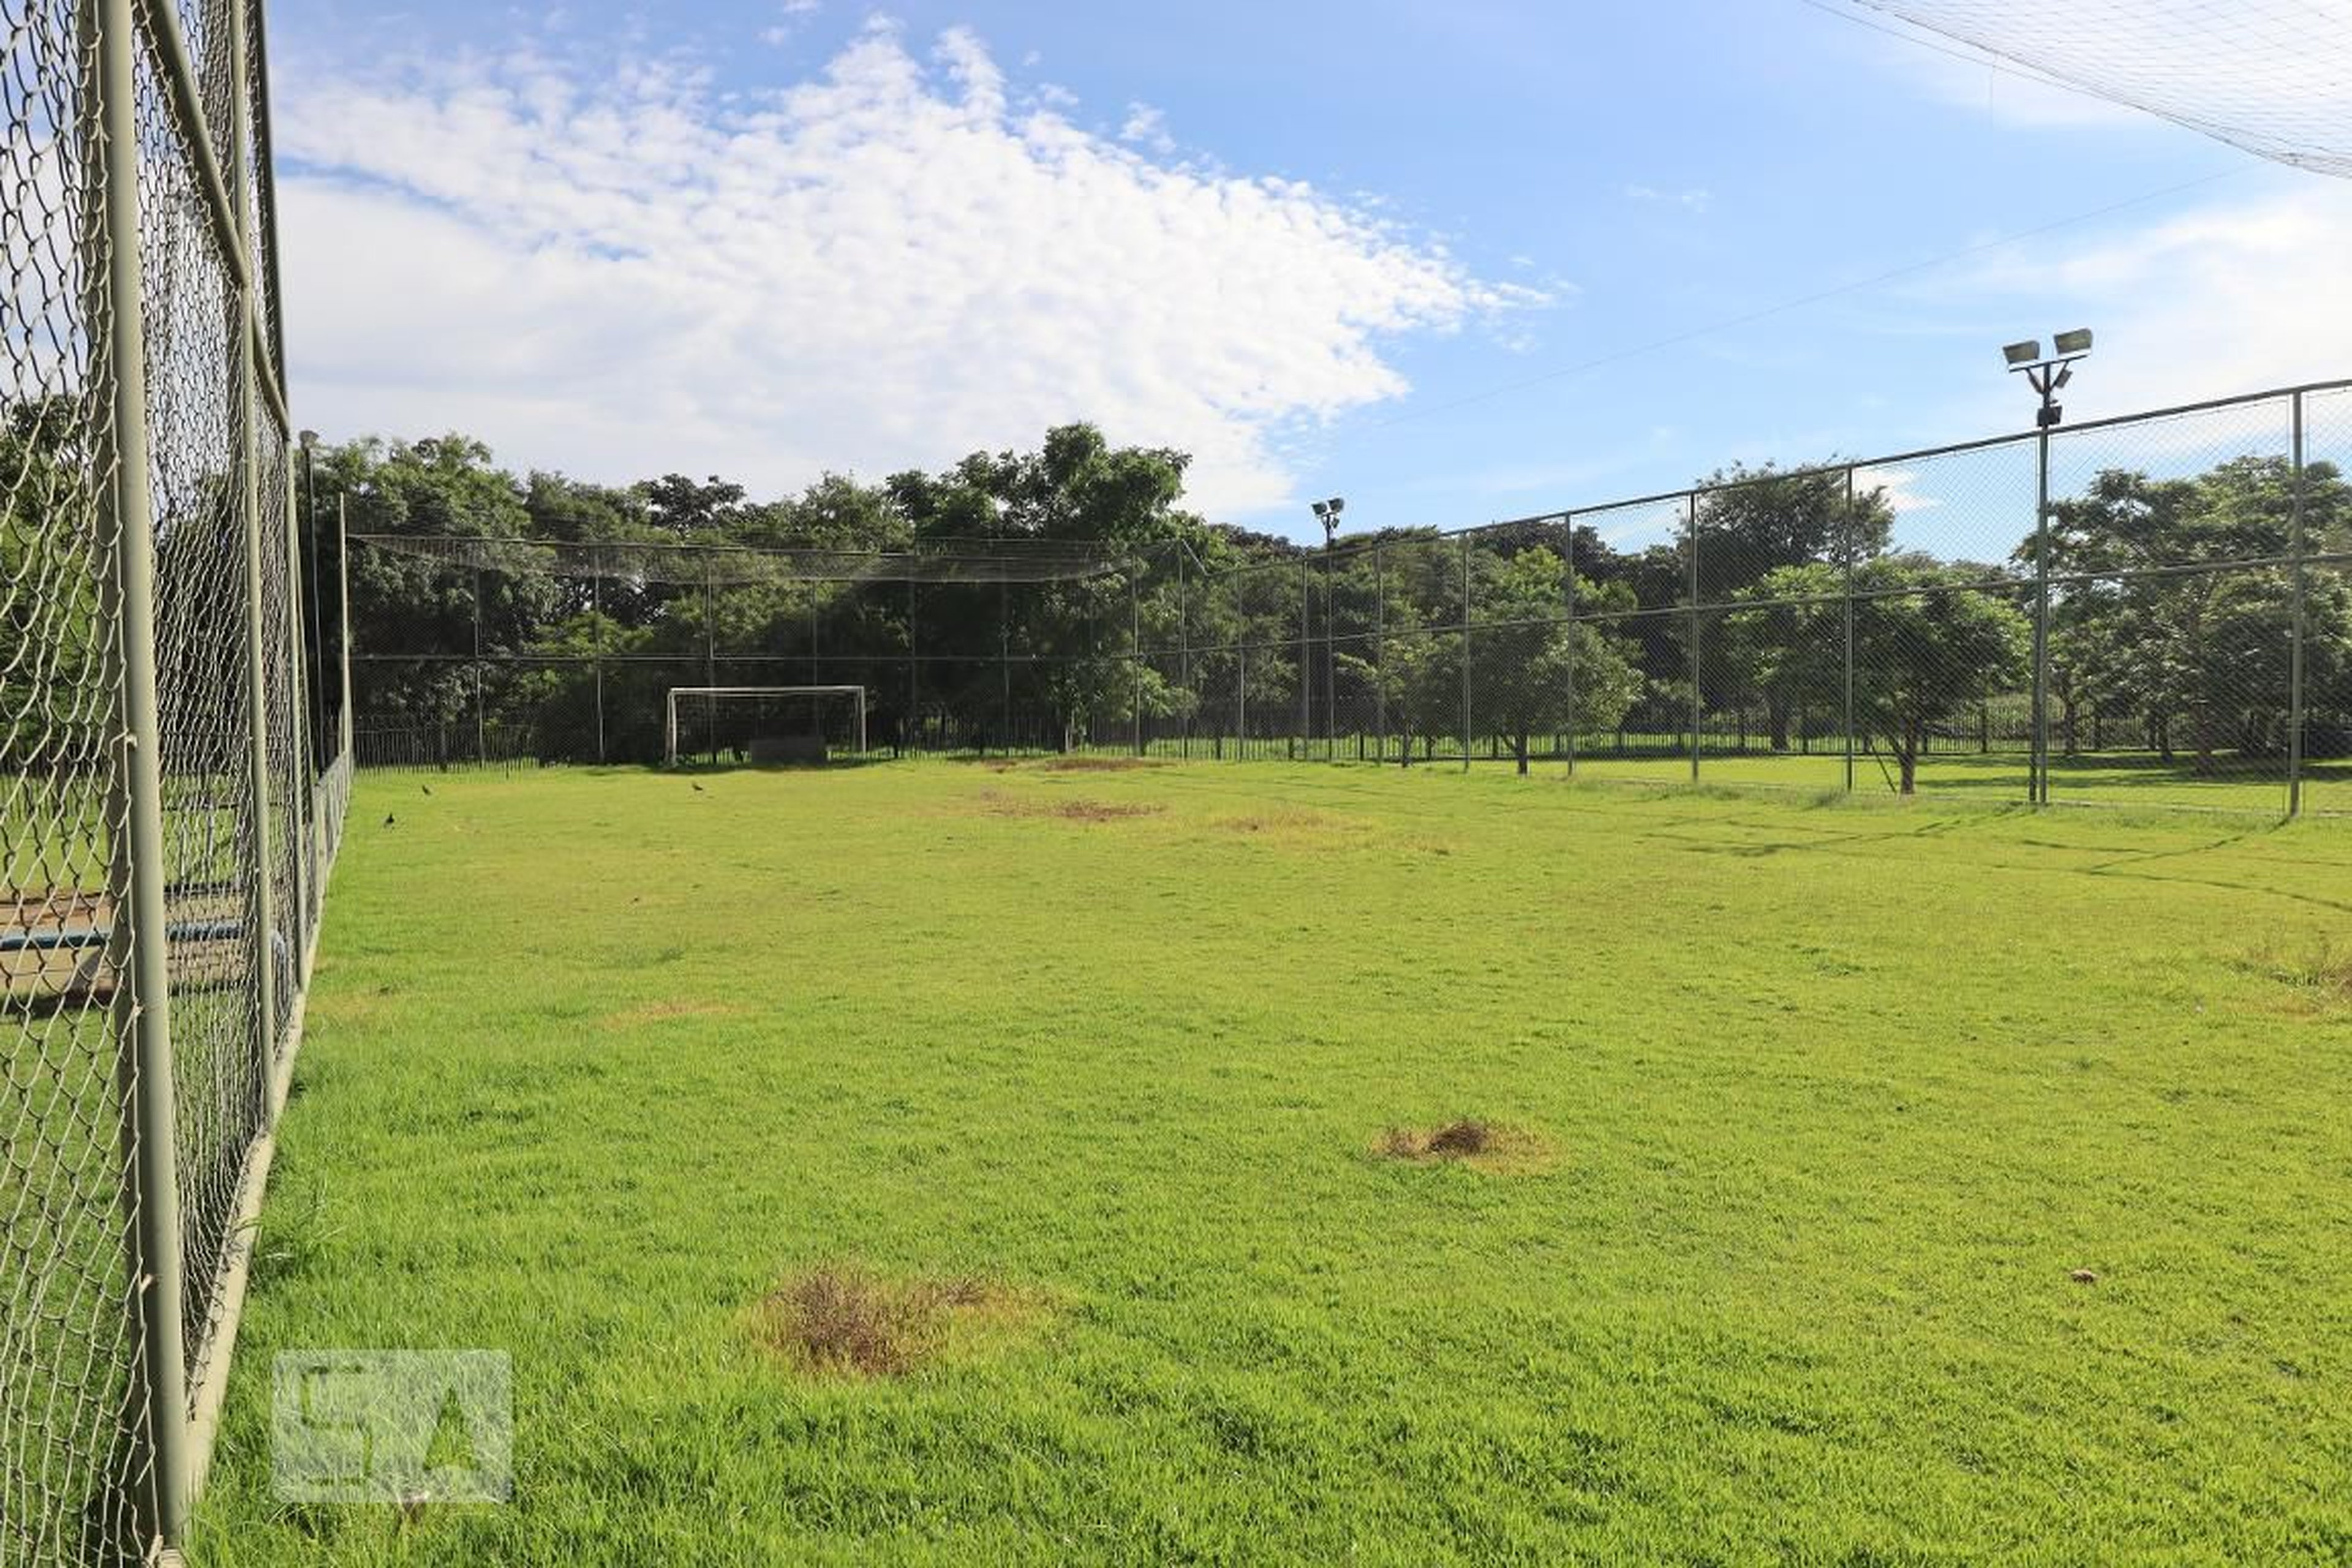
x=2174 y=632
x=164 y=833
x=2173 y=629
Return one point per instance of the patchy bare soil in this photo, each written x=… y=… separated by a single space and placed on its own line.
x=845 y=1319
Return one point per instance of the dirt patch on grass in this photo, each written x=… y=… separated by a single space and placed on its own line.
x=1099 y=765
x=1471 y=1140
x=1282 y=819
x=1072 y=765
x=2319 y=969
x=659 y=1011
x=843 y=1320
x=1074 y=809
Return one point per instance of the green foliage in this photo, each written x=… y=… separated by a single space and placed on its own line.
x=1929 y=640
x=2190 y=651
x=53 y=699
x=1530 y=671
x=2208 y=647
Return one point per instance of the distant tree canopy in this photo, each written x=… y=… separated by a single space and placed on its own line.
x=1281 y=637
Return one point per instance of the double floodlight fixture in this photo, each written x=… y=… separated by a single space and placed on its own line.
x=2027 y=355
x=1326 y=512
x=2047 y=376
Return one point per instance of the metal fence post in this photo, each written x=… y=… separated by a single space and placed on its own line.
x=1306 y=668
x=1690 y=527
x=2299 y=546
x=1004 y=659
x=482 y=725
x=1466 y=652
x=2038 y=771
x=297 y=709
x=1135 y=660
x=1850 y=551
x=710 y=659
x=1241 y=694
x=1191 y=699
x=261 y=903
x=142 y=1022
x=343 y=561
x=1381 y=648
x=596 y=635
x=1568 y=587
x=1330 y=656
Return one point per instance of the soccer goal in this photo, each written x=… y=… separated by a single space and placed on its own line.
x=761 y=723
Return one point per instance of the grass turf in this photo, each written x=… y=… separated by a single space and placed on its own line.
x=1835 y=1097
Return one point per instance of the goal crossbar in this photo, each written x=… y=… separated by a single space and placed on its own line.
x=669 y=727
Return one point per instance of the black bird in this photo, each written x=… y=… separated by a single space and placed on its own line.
x=699 y=790
x=427 y=788
x=387 y=819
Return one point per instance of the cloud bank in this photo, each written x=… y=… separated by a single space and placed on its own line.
x=618 y=270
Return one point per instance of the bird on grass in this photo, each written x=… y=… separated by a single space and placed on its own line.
x=699 y=789
x=427 y=788
x=387 y=819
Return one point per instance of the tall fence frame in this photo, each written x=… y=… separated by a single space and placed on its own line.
x=167 y=823
x=2001 y=618
x=2048 y=575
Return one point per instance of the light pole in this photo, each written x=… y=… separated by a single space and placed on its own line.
x=1326 y=512
x=318 y=605
x=2045 y=376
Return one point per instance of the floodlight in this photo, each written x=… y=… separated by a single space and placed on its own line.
x=1335 y=504
x=2025 y=353
x=2066 y=374
x=309 y=439
x=1322 y=508
x=2077 y=342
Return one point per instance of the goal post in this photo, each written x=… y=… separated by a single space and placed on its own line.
x=715 y=696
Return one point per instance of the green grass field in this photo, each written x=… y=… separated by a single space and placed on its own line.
x=1823 y=1105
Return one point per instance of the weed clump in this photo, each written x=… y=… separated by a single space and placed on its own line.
x=1100 y=764
x=845 y=1319
x=1468 y=1140
x=2322 y=967
x=1076 y=809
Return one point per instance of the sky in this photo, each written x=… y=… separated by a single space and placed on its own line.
x=1454 y=262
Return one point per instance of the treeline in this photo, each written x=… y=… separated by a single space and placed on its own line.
x=2170 y=627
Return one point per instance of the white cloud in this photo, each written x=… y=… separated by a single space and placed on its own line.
x=2229 y=298
x=1693 y=200
x=793 y=12
x=886 y=266
x=1146 y=127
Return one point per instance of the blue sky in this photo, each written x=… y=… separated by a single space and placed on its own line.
x=1452 y=261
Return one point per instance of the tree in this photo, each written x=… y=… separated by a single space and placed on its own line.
x=2176 y=603
x=53 y=649
x=1929 y=643
x=1531 y=671
x=1753 y=523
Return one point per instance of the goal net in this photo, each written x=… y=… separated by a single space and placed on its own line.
x=763 y=723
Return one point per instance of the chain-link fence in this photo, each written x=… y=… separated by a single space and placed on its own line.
x=474 y=651
x=165 y=824
x=2176 y=632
